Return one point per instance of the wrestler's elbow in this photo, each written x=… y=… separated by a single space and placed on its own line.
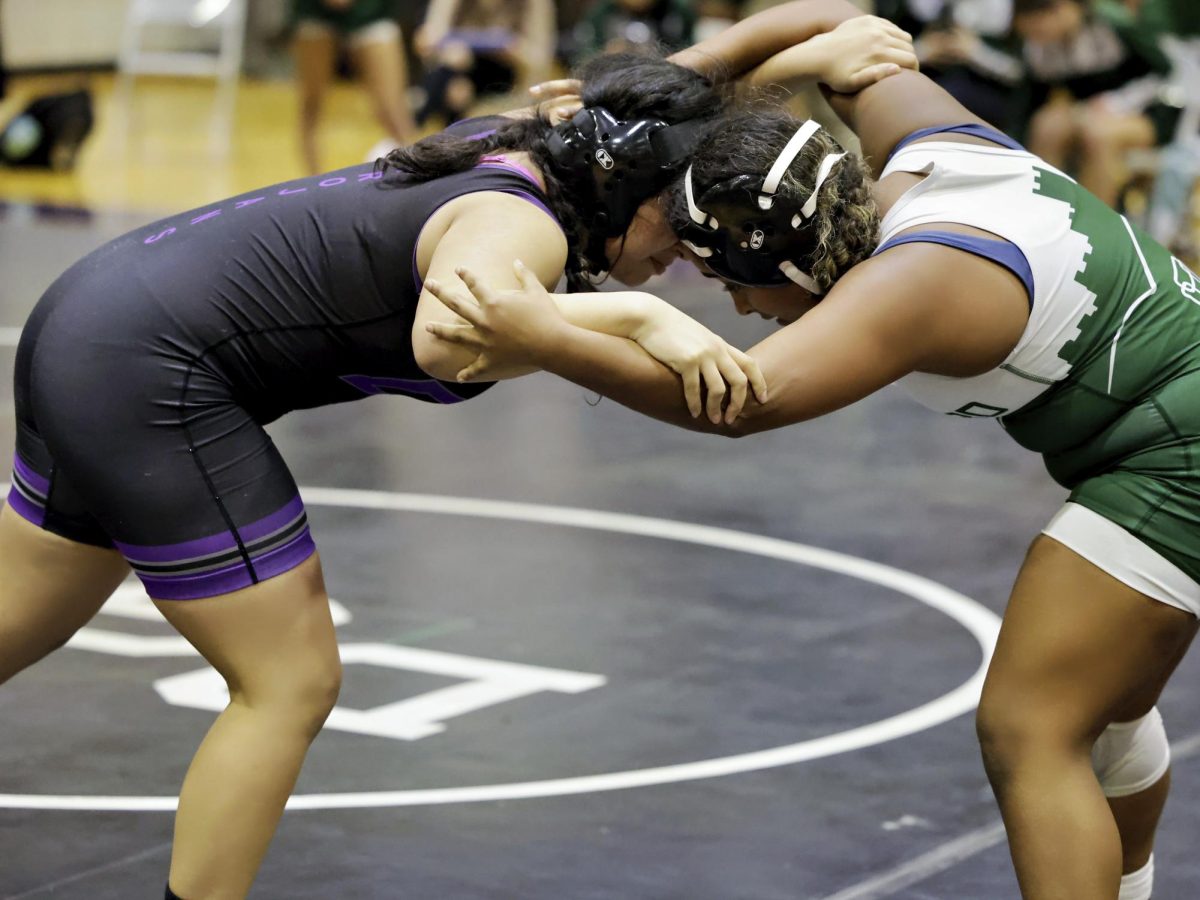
x=437 y=359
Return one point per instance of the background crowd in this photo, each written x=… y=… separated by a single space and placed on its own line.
x=1098 y=88
x=1092 y=86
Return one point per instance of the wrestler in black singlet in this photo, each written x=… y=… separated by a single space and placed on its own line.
x=147 y=370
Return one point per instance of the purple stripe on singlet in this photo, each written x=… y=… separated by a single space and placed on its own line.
x=975 y=129
x=424 y=387
x=506 y=165
x=487 y=162
x=28 y=511
x=536 y=202
x=274 y=521
x=481 y=135
x=231 y=578
x=186 y=551
x=998 y=250
x=35 y=481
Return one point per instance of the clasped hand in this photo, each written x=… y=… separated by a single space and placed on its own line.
x=524 y=327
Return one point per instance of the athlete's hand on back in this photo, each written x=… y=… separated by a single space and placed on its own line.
x=559 y=100
x=859 y=52
x=521 y=328
x=864 y=50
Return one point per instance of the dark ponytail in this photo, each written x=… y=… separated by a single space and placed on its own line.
x=627 y=85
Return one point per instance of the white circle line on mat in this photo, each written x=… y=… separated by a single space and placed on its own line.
x=982 y=623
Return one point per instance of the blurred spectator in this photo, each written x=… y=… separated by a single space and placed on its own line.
x=633 y=25
x=3 y=71
x=1097 y=73
x=371 y=35
x=1181 y=17
x=965 y=46
x=474 y=47
x=714 y=16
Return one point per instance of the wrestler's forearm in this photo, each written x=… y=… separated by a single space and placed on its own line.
x=619 y=369
x=619 y=313
x=738 y=49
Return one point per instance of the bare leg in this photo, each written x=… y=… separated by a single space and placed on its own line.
x=1106 y=140
x=1053 y=133
x=381 y=65
x=315 y=54
x=275 y=646
x=1137 y=820
x=49 y=588
x=1077 y=646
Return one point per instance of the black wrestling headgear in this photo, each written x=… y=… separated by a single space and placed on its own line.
x=745 y=236
x=625 y=162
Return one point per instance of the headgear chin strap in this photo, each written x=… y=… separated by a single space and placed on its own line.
x=623 y=163
x=743 y=236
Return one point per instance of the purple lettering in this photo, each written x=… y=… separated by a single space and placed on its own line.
x=158 y=237
x=286 y=191
x=243 y=203
x=330 y=182
x=207 y=215
x=369 y=176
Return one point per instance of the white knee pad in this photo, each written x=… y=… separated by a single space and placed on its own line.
x=1130 y=756
x=1138 y=885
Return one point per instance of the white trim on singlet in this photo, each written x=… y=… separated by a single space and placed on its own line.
x=1120 y=553
x=996 y=189
x=1112 y=354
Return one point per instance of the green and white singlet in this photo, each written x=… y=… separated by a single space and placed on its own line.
x=1105 y=380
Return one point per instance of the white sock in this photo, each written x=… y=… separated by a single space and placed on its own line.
x=1137 y=885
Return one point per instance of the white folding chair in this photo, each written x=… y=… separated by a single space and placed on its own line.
x=225 y=20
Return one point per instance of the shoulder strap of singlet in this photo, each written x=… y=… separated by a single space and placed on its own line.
x=974 y=129
x=483 y=126
x=998 y=250
x=527 y=189
x=476 y=128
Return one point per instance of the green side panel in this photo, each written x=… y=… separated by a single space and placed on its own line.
x=1084 y=424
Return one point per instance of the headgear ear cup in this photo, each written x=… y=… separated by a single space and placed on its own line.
x=619 y=164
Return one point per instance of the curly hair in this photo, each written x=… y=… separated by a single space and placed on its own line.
x=630 y=86
x=846 y=220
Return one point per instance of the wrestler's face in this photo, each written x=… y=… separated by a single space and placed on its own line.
x=784 y=304
x=647 y=248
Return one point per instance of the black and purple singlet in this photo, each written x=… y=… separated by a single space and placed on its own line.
x=147 y=370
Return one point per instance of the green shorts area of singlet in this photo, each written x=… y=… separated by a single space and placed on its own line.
x=357 y=15
x=1154 y=490
x=1122 y=431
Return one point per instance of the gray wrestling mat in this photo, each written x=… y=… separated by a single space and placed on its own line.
x=588 y=656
